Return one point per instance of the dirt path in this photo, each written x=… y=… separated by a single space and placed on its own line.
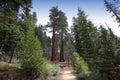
x=66 y=73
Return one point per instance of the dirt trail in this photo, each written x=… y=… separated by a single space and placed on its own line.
x=66 y=73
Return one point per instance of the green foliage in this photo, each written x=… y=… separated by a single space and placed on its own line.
x=107 y=62
x=52 y=68
x=48 y=69
x=85 y=37
x=79 y=64
x=10 y=36
x=69 y=47
x=45 y=40
x=32 y=60
x=97 y=46
x=10 y=33
x=10 y=29
x=31 y=54
x=17 y=35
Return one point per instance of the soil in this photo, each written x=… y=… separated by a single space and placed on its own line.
x=66 y=73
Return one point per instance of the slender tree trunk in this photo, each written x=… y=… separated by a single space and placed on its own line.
x=61 y=49
x=12 y=53
x=53 y=47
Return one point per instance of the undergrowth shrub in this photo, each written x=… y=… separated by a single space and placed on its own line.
x=82 y=70
x=33 y=64
x=80 y=66
x=49 y=69
x=54 y=69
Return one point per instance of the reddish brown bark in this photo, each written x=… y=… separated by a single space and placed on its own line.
x=53 y=47
x=61 y=49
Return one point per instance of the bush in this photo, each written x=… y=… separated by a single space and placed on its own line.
x=49 y=69
x=54 y=69
x=80 y=66
x=32 y=61
x=82 y=69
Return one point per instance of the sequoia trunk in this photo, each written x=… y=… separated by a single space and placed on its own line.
x=53 y=47
x=61 y=49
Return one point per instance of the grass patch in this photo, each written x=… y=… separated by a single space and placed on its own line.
x=4 y=66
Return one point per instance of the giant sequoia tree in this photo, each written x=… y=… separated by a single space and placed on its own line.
x=58 y=24
x=53 y=24
x=63 y=30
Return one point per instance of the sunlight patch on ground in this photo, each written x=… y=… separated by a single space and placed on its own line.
x=67 y=72
x=68 y=77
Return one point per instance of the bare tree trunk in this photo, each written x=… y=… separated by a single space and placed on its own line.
x=53 y=47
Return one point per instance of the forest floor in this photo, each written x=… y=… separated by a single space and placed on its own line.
x=67 y=72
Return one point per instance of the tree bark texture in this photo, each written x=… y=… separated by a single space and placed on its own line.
x=53 y=47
